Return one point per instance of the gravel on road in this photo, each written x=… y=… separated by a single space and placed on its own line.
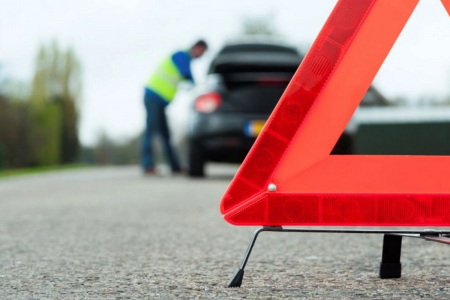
x=110 y=233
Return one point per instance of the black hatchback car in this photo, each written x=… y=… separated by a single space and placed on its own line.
x=245 y=82
x=249 y=79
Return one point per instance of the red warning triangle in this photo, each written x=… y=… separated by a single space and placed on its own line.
x=289 y=177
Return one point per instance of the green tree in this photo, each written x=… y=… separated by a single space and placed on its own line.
x=15 y=128
x=55 y=97
x=14 y=124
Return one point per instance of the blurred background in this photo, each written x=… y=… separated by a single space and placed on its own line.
x=72 y=75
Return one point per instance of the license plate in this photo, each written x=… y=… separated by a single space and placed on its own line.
x=254 y=128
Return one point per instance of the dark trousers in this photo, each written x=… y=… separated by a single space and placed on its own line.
x=156 y=124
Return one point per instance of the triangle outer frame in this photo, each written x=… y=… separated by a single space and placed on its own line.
x=293 y=150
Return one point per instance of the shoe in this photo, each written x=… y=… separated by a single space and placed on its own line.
x=149 y=172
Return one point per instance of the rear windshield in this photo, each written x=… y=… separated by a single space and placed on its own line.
x=255 y=58
x=257 y=48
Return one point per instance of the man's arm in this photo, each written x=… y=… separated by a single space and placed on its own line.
x=183 y=62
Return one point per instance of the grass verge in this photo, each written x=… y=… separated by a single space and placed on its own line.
x=37 y=170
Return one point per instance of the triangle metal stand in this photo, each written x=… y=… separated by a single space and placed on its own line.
x=390 y=266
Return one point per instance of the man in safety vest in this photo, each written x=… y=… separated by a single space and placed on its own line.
x=159 y=92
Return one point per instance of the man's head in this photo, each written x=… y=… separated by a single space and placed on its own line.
x=198 y=49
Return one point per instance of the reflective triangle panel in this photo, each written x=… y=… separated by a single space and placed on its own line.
x=269 y=209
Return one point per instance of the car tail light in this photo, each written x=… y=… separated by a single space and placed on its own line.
x=208 y=103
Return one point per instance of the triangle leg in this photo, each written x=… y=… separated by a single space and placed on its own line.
x=391 y=266
x=238 y=276
x=236 y=279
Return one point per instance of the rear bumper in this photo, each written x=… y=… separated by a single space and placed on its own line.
x=223 y=136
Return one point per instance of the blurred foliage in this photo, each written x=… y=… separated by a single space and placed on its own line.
x=55 y=94
x=109 y=152
x=15 y=130
x=259 y=26
x=39 y=121
x=16 y=90
x=45 y=134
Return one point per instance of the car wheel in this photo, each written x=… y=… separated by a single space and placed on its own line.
x=196 y=160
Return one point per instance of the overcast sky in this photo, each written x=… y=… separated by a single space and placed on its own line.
x=119 y=42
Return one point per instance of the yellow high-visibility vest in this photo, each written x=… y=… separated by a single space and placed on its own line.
x=165 y=80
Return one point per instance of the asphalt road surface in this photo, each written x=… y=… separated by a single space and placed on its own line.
x=110 y=233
